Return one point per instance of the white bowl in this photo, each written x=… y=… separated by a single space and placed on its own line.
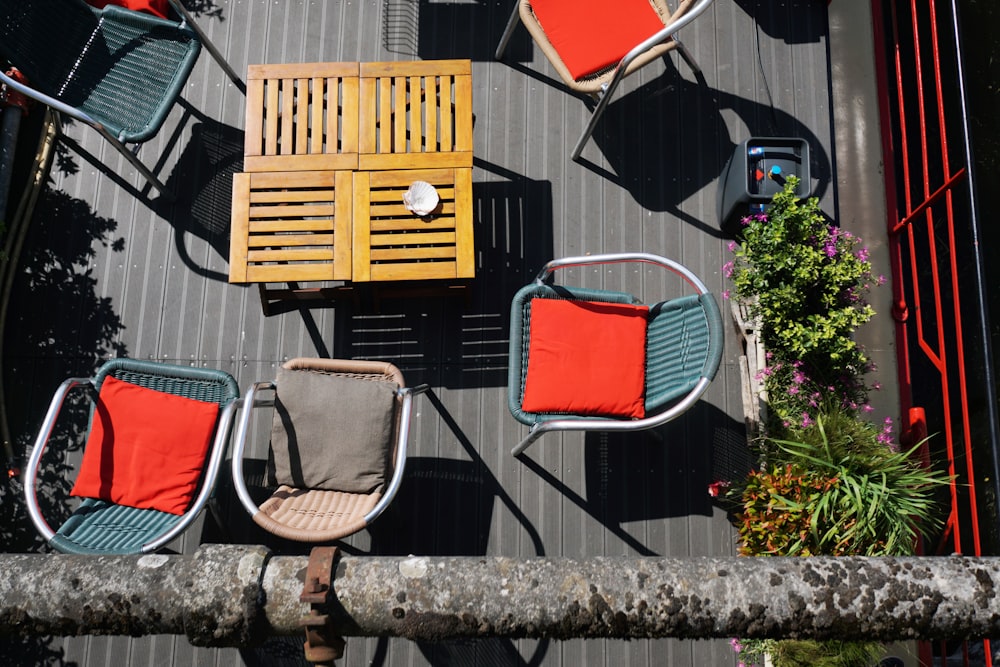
x=421 y=198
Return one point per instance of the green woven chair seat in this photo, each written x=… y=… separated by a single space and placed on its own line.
x=682 y=345
x=679 y=349
x=100 y=527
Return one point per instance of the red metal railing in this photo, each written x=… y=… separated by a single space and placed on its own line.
x=928 y=198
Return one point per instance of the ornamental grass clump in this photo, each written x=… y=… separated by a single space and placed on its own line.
x=837 y=490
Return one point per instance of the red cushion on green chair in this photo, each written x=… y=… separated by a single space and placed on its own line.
x=146 y=448
x=155 y=7
x=591 y=35
x=586 y=358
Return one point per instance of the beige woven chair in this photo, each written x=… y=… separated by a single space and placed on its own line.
x=615 y=58
x=338 y=446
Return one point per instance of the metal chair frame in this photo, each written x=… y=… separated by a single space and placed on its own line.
x=206 y=486
x=522 y=11
x=130 y=154
x=255 y=399
x=603 y=424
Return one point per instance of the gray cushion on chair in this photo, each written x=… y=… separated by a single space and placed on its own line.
x=332 y=432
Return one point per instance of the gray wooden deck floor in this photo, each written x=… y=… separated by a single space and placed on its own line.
x=110 y=270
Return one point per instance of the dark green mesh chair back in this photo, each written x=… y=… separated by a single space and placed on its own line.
x=681 y=347
x=125 y=69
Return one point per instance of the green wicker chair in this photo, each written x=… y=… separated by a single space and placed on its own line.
x=117 y=70
x=103 y=527
x=681 y=349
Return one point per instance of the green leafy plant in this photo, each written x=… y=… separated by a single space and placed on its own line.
x=807 y=281
x=838 y=496
x=779 y=507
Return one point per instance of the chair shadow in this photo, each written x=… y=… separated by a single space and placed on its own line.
x=444 y=30
x=685 y=116
x=56 y=326
x=665 y=472
x=644 y=475
x=202 y=182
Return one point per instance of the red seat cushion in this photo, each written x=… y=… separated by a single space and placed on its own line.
x=146 y=449
x=586 y=358
x=154 y=7
x=590 y=35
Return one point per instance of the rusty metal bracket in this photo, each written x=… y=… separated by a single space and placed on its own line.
x=322 y=646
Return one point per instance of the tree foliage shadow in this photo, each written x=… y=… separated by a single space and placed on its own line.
x=57 y=326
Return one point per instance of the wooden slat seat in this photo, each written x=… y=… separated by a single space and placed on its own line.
x=415 y=115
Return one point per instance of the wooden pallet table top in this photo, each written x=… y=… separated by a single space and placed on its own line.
x=391 y=243
x=369 y=116
x=290 y=226
x=330 y=148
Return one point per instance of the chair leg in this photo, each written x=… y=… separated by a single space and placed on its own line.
x=595 y=116
x=686 y=55
x=509 y=30
x=135 y=162
x=189 y=22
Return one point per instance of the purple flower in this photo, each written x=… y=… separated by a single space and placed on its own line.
x=732 y=246
x=728 y=268
x=807 y=421
x=725 y=294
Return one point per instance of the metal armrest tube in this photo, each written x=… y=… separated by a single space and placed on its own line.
x=615 y=258
x=623 y=66
x=250 y=401
x=58 y=105
x=402 y=441
x=34 y=461
x=608 y=425
x=211 y=475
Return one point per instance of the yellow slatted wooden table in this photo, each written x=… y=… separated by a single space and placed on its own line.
x=329 y=150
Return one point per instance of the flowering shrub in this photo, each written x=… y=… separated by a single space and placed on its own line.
x=831 y=483
x=808 y=283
